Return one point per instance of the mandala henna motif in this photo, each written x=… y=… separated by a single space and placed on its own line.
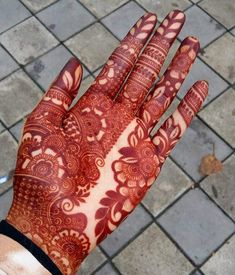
x=80 y=171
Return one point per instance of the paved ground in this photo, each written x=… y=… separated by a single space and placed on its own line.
x=185 y=225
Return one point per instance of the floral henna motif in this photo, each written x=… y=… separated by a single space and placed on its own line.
x=80 y=171
x=135 y=171
x=58 y=166
x=141 y=161
x=50 y=164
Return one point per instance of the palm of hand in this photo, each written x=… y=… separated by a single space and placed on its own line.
x=80 y=172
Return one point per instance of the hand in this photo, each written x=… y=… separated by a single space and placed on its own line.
x=80 y=171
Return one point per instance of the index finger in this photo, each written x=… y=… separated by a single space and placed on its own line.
x=124 y=56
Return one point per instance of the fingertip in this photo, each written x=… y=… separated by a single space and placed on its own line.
x=73 y=64
x=69 y=78
x=177 y=14
x=203 y=87
x=143 y=28
x=193 y=42
x=150 y=16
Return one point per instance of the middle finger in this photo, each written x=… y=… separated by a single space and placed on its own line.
x=150 y=61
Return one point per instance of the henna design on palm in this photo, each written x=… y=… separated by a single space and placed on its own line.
x=80 y=171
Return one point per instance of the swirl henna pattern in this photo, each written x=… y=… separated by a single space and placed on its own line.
x=80 y=171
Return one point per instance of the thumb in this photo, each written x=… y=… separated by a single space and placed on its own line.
x=61 y=93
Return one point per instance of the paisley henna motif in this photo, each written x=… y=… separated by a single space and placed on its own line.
x=80 y=171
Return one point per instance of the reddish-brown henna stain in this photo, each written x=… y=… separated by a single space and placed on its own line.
x=141 y=161
x=169 y=84
x=62 y=151
x=150 y=62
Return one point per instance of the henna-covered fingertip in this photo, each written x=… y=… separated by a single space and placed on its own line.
x=177 y=14
x=203 y=87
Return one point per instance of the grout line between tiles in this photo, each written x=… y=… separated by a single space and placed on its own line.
x=211 y=16
x=40 y=9
x=61 y=42
x=165 y=232
x=109 y=260
x=214 y=131
x=217 y=204
x=217 y=249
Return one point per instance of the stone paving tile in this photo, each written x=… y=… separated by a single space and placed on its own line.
x=17 y=129
x=221 y=186
x=101 y=8
x=220 y=115
x=5 y=203
x=121 y=21
x=201 y=71
x=5 y=187
x=233 y=31
x=162 y=8
x=201 y=25
x=152 y=253
x=89 y=45
x=196 y=143
x=17 y=98
x=46 y=68
x=223 y=11
x=65 y=18
x=170 y=184
x=197 y=225
x=11 y=13
x=127 y=230
x=8 y=150
x=37 y=5
x=169 y=57
x=7 y=64
x=222 y=263
x=92 y=262
x=2 y=128
x=107 y=269
x=28 y=40
x=219 y=56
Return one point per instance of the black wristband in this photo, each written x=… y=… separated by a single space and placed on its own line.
x=10 y=231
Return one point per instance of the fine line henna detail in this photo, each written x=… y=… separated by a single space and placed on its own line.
x=151 y=60
x=123 y=58
x=134 y=173
x=163 y=93
x=80 y=171
x=141 y=162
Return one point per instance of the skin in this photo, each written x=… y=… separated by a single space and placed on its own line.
x=80 y=171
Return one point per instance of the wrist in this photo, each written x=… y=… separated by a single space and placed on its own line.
x=65 y=246
x=15 y=259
